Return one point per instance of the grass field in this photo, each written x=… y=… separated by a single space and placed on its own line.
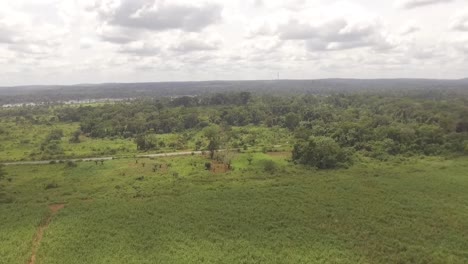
x=22 y=141
x=402 y=211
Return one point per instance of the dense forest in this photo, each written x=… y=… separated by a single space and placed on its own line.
x=61 y=93
x=327 y=130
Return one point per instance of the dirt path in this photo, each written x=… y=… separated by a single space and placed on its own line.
x=170 y=154
x=44 y=162
x=53 y=210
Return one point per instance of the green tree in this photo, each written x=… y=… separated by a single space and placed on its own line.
x=146 y=142
x=55 y=134
x=212 y=133
x=291 y=121
x=245 y=97
x=320 y=152
x=76 y=136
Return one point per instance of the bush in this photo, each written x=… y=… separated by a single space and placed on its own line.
x=270 y=166
x=71 y=164
x=51 y=186
x=322 y=153
x=55 y=134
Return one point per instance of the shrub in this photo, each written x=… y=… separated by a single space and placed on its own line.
x=270 y=166
x=51 y=186
x=141 y=178
x=55 y=134
x=250 y=159
x=322 y=153
x=71 y=164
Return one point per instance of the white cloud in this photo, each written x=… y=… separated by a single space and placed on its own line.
x=69 y=41
x=191 y=45
x=336 y=33
x=460 y=21
x=409 y=28
x=409 y=4
x=158 y=15
x=141 y=48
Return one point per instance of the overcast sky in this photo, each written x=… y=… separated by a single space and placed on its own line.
x=93 y=41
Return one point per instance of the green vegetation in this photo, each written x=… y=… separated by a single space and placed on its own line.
x=400 y=211
x=373 y=125
x=322 y=153
x=336 y=178
x=2 y=172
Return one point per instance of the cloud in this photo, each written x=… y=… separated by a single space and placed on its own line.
x=44 y=41
x=461 y=45
x=409 y=28
x=262 y=29
x=117 y=35
x=140 y=48
x=336 y=34
x=158 y=15
x=29 y=38
x=86 y=43
x=11 y=25
x=6 y=35
x=192 y=45
x=410 y=4
x=460 y=21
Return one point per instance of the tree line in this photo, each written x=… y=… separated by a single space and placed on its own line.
x=376 y=125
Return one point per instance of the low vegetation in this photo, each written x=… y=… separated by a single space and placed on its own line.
x=404 y=210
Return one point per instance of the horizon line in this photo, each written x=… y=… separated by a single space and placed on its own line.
x=232 y=80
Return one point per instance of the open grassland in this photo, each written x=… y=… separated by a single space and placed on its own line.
x=401 y=211
x=22 y=141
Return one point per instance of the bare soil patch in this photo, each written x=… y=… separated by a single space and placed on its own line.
x=219 y=167
x=163 y=168
x=53 y=210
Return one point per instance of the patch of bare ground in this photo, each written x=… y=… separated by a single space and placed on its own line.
x=219 y=167
x=53 y=210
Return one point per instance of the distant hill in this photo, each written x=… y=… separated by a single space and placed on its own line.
x=45 y=93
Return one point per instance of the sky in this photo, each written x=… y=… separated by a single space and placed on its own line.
x=96 y=41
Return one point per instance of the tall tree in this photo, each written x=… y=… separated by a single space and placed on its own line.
x=212 y=133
